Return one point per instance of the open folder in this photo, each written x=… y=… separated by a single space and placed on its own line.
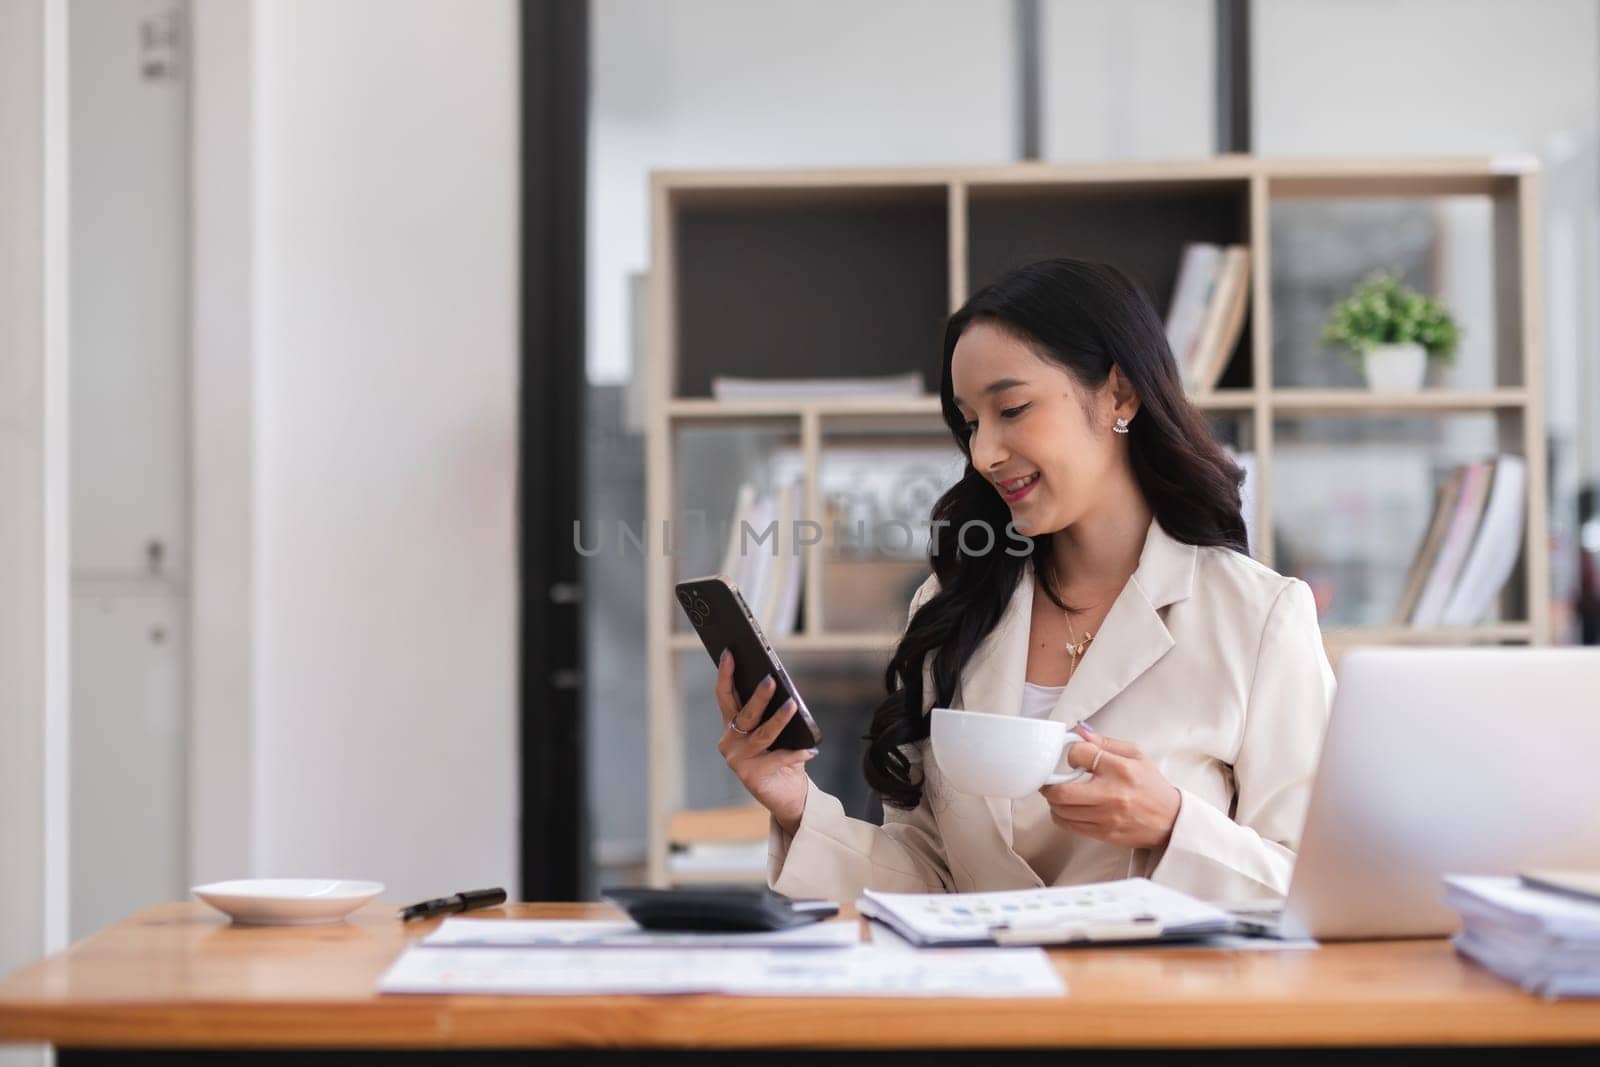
x=1135 y=909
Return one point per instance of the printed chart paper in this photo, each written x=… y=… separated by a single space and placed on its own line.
x=972 y=918
x=861 y=971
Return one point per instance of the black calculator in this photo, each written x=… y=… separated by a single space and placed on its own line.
x=724 y=908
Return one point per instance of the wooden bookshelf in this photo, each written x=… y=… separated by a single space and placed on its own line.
x=851 y=272
x=1343 y=403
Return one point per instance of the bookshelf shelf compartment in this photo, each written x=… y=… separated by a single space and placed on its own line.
x=841 y=282
x=1141 y=228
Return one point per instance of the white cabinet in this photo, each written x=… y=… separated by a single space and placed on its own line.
x=128 y=752
x=128 y=213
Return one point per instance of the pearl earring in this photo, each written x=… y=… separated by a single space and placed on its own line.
x=1121 y=426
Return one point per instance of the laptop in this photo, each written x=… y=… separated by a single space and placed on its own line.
x=1436 y=761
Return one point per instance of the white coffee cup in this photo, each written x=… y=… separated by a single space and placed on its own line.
x=990 y=755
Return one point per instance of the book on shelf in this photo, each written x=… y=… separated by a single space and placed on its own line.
x=1453 y=550
x=732 y=559
x=1470 y=546
x=751 y=564
x=767 y=566
x=783 y=563
x=1197 y=274
x=886 y=386
x=1494 y=549
x=1206 y=315
x=1444 y=505
x=1224 y=321
x=786 y=604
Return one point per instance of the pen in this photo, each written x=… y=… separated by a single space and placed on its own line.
x=472 y=898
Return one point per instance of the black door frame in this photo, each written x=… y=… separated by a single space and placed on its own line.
x=554 y=153
x=1233 y=76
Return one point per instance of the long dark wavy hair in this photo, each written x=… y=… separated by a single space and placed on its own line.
x=1088 y=317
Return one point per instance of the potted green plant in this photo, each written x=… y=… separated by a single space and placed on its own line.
x=1391 y=331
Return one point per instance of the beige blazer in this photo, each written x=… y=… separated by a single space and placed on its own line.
x=1209 y=661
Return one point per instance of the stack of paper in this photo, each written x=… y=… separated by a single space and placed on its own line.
x=1546 y=942
x=553 y=957
x=1134 y=909
x=862 y=971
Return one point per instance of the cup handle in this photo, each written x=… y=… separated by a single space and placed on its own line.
x=1077 y=772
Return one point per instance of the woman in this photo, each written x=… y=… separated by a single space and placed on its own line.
x=1197 y=675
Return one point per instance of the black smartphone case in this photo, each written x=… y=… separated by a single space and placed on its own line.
x=723 y=620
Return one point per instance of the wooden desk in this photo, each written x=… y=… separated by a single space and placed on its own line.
x=179 y=977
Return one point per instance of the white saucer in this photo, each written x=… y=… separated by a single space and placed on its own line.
x=287 y=901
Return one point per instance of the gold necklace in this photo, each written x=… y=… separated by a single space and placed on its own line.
x=1074 y=647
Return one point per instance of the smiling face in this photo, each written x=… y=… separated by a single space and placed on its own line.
x=1043 y=440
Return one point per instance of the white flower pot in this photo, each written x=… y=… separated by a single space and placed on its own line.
x=1396 y=368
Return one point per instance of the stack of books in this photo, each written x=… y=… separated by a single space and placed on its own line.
x=763 y=555
x=1471 y=544
x=1541 y=931
x=1207 y=311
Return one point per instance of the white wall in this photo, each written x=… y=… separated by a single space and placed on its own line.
x=222 y=347
x=1421 y=76
x=33 y=486
x=1127 y=80
x=380 y=315
x=385 y=382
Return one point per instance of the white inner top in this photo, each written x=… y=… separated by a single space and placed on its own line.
x=1038 y=701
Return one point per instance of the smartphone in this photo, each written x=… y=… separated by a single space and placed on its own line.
x=724 y=621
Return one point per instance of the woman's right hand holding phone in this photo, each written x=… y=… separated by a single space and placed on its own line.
x=777 y=779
